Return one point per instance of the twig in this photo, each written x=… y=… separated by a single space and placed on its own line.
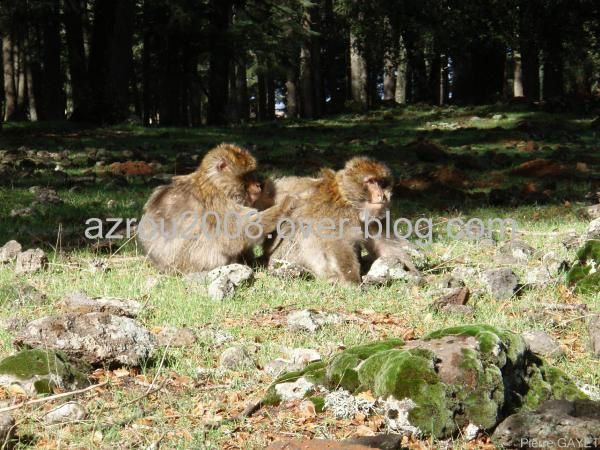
x=564 y=322
x=52 y=397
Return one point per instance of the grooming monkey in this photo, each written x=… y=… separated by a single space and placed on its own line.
x=205 y=219
x=342 y=201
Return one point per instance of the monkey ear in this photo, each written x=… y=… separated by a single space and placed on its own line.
x=221 y=165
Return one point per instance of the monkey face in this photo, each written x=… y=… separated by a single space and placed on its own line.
x=377 y=196
x=254 y=188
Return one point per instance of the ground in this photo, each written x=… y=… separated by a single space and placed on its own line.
x=187 y=412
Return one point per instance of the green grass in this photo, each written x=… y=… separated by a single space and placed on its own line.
x=181 y=414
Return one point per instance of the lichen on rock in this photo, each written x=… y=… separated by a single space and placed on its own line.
x=585 y=273
x=473 y=374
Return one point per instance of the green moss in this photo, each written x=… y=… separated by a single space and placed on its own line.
x=319 y=403
x=547 y=383
x=341 y=371
x=36 y=363
x=580 y=274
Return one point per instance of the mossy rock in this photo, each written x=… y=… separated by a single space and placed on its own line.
x=469 y=374
x=38 y=371
x=585 y=273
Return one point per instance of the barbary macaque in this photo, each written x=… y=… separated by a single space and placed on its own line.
x=208 y=218
x=336 y=207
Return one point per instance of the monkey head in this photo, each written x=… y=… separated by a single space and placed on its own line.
x=367 y=185
x=230 y=170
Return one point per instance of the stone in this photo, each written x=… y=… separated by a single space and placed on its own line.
x=593 y=327
x=294 y=390
x=303 y=356
x=391 y=268
x=317 y=444
x=584 y=274
x=561 y=423
x=287 y=270
x=96 y=338
x=515 y=251
x=396 y=416
x=501 y=283
x=308 y=320
x=278 y=366
x=593 y=230
x=461 y=310
x=344 y=405
x=590 y=212
x=235 y=358
x=471 y=374
x=21 y=212
x=38 y=371
x=222 y=282
x=7 y=429
x=66 y=413
x=458 y=296
x=176 y=337
x=542 y=343
x=31 y=261
x=571 y=240
x=9 y=251
x=78 y=302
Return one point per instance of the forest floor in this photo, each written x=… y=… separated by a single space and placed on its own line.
x=451 y=162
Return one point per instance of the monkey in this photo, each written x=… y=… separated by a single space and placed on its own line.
x=207 y=219
x=342 y=202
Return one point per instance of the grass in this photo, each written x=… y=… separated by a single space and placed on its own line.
x=184 y=413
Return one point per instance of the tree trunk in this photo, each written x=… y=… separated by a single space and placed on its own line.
x=518 y=75
x=270 y=113
x=54 y=96
x=73 y=19
x=261 y=107
x=389 y=77
x=10 y=90
x=291 y=94
x=315 y=57
x=402 y=69
x=31 y=97
x=307 y=107
x=241 y=82
x=220 y=58
x=358 y=74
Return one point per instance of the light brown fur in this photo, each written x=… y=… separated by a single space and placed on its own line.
x=346 y=196
x=224 y=182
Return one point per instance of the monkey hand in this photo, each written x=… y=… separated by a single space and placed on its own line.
x=289 y=203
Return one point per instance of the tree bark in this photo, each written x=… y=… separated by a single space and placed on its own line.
x=261 y=107
x=291 y=94
x=358 y=74
x=307 y=108
x=54 y=96
x=10 y=90
x=73 y=20
x=517 y=75
x=241 y=82
x=270 y=113
x=220 y=58
x=389 y=77
x=402 y=69
x=315 y=57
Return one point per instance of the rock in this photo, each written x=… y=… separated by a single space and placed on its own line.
x=31 y=261
x=593 y=230
x=501 y=283
x=78 y=302
x=572 y=240
x=301 y=357
x=391 y=268
x=515 y=251
x=38 y=371
x=458 y=296
x=45 y=195
x=472 y=374
x=176 y=337
x=12 y=323
x=396 y=416
x=498 y=117
x=286 y=270
x=234 y=358
x=308 y=320
x=294 y=390
x=9 y=251
x=542 y=343
x=470 y=432
x=7 y=429
x=318 y=444
x=548 y=272
x=557 y=423
x=590 y=212
x=594 y=333
x=278 y=366
x=593 y=392
x=96 y=338
x=21 y=212
x=450 y=282
x=26 y=294
x=461 y=310
x=66 y=413
x=222 y=282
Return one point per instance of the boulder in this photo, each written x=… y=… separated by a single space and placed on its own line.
x=594 y=334
x=556 y=424
x=235 y=358
x=222 y=282
x=309 y=320
x=78 y=302
x=391 y=268
x=38 y=371
x=593 y=230
x=468 y=375
x=31 y=261
x=287 y=270
x=501 y=283
x=65 y=413
x=176 y=337
x=542 y=343
x=96 y=338
x=9 y=251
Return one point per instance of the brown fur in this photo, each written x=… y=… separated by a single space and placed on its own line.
x=219 y=185
x=342 y=195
